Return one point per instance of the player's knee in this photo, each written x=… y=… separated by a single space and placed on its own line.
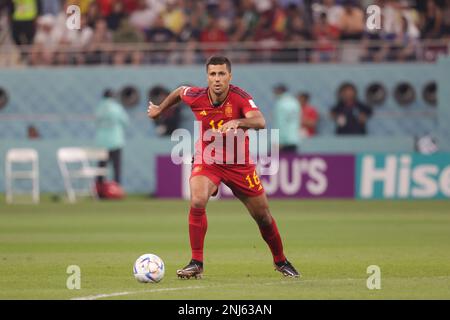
x=265 y=221
x=199 y=202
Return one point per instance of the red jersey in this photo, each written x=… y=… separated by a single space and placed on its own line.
x=309 y=113
x=235 y=106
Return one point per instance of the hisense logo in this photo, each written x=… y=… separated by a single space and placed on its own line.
x=401 y=177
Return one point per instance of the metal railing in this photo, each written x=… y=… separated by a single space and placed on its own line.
x=239 y=52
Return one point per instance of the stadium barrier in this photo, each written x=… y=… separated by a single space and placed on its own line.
x=334 y=51
x=63 y=105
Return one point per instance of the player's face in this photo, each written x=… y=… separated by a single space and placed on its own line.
x=218 y=78
x=348 y=95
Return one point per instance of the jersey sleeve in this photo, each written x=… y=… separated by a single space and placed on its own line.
x=248 y=104
x=189 y=94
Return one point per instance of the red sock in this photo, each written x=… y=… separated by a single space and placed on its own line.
x=271 y=235
x=198 y=224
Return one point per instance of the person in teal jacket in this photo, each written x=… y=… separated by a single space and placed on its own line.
x=286 y=118
x=111 y=120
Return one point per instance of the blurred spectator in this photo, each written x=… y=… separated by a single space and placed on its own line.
x=269 y=39
x=52 y=7
x=296 y=32
x=398 y=39
x=10 y=55
x=189 y=36
x=249 y=18
x=225 y=14
x=405 y=44
x=351 y=23
x=286 y=118
x=111 y=120
x=24 y=14
x=279 y=17
x=173 y=16
x=295 y=27
x=169 y=121
x=324 y=34
x=431 y=24
x=46 y=41
x=96 y=50
x=446 y=19
x=117 y=15
x=105 y=7
x=238 y=31
x=144 y=16
x=93 y=14
x=391 y=24
x=263 y=5
x=349 y=114
x=130 y=6
x=309 y=116
x=162 y=38
x=157 y=5
x=83 y=4
x=333 y=12
x=126 y=34
x=212 y=34
x=285 y=4
x=72 y=43
x=412 y=17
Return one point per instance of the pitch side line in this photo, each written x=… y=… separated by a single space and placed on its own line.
x=126 y=293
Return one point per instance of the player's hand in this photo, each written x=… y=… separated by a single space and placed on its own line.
x=230 y=125
x=153 y=111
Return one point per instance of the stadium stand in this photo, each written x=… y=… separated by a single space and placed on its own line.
x=187 y=31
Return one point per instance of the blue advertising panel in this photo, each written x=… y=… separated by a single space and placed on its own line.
x=403 y=176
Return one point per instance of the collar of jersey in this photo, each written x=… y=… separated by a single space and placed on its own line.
x=221 y=105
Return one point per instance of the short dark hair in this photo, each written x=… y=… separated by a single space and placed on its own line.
x=218 y=60
x=108 y=93
x=280 y=87
x=304 y=95
x=347 y=85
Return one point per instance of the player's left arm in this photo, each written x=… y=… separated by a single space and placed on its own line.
x=253 y=120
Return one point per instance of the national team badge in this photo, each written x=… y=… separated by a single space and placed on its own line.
x=228 y=110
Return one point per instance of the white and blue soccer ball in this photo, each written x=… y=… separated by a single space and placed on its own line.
x=148 y=268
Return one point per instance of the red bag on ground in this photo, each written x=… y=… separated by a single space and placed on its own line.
x=110 y=190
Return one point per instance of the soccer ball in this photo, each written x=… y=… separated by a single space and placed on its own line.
x=148 y=268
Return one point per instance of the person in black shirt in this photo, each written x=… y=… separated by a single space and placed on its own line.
x=349 y=114
x=163 y=38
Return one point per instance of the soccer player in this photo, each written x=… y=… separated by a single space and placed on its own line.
x=225 y=109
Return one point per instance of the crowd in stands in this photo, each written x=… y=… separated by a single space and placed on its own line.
x=165 y=26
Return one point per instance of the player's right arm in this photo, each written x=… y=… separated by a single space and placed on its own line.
x=153 y=110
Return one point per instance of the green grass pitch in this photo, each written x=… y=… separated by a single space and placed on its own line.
x=331 y=242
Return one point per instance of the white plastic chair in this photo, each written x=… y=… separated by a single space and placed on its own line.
x=22 y=156
x=74 y=164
